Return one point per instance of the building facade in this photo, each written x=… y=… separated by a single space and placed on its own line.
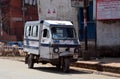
x=57 y=10
x=103 y=22
x=14 y=14
x=107 y=16
x=104 y=32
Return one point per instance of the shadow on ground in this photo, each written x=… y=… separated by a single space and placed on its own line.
x=55 y=71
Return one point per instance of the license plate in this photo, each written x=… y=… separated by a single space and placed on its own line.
x=75 y=56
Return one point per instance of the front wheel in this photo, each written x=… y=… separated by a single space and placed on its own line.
x=66 y=64
x=30 y=61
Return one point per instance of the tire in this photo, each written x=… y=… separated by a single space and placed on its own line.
x=58 y=66
x=66 y=65
x=26 y=59
x=30 y=61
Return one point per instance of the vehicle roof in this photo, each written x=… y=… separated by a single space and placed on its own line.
x=56 y=22
x=49 y=22
x=32 y=22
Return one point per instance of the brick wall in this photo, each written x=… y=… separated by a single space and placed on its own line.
x=6 y=37
x=14 y=24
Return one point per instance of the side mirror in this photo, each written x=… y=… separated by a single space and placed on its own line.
x=42 y=21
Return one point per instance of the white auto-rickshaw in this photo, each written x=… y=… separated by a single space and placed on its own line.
x=51 y=41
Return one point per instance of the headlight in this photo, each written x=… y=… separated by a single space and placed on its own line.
x=56 y=50
x=76 y=50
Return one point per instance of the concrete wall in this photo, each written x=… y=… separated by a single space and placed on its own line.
x=57 y=10
x=62 y=8
x=108 y=34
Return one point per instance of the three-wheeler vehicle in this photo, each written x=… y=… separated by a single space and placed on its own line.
x=51 y=41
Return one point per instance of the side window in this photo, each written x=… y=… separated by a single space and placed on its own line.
x=28 y=30
x=45 y=33
x=35 y=31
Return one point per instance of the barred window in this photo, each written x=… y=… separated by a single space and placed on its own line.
x=35 y=31
x=28 y=30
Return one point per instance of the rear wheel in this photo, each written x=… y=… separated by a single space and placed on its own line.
x=66 y=64
x=58 y=66
x=31 y=61
x=26 y=59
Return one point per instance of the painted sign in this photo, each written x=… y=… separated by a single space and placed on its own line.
x=51 y=12
x=107 y=9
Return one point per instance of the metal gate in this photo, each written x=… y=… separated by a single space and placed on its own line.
x=91 y=23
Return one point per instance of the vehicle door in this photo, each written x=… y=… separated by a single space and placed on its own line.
x=45 y=43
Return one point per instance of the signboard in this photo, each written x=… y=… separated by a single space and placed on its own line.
x=77 y=3
x=107 y=9
x=31 y=2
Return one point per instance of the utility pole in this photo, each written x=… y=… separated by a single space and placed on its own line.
x=85 y=23
x=0 y=20
x=23 y=11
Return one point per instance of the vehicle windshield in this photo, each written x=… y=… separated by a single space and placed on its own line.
x=63 y=33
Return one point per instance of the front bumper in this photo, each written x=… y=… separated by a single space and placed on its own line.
x=69 y=54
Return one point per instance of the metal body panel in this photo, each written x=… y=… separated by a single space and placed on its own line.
x=43 y=43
